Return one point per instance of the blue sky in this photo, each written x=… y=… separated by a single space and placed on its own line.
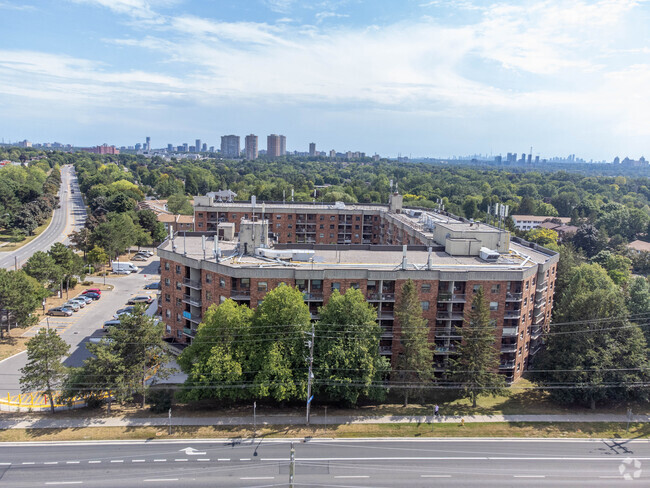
x=418 y=77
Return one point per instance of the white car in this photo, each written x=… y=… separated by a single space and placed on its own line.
x=123 y=272
x=79 y=301
x=72 y=305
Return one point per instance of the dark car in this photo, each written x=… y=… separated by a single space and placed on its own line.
x=111 y=323
x=153 y=286
x=92 y=295
x=126 y=310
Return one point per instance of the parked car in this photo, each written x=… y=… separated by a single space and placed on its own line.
x=140 y=299
x=60 y=311
x=85 y=298
x=145 y=252
x=92 y=290
x=153 y=286
x=74 y=306
x=92 y=295
x=81 y=302
x=126 y=310
x=123 y=272
x=140 y=257
x=111 y=323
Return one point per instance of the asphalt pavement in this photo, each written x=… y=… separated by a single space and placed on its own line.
x=336 y=462
x=86 y=324
x=70 y=216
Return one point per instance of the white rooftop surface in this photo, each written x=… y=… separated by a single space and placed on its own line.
x=358 y=258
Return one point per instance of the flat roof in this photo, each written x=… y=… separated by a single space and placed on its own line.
x=520 y=257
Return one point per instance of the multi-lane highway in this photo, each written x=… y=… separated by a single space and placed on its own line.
x=70 y=216
x=350 y=463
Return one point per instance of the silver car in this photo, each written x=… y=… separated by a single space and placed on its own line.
x=74 y=306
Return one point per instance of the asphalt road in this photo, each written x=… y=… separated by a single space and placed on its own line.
x=70 y=216
x=350 y=463
x=86 y=324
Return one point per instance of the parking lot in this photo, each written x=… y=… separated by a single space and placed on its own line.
x=86 y=324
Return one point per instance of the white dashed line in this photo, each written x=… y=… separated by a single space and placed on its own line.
x=435 y=476
x=137 y=461
x=223 y=459
x=258 y=478
x=29 y=463
x=94 y=462
x=162 y=479
x=159 y=460
x=72 y=462
x=245 y=459
x=352 y=476
x=64 y=482
x=52 y=462
x=117 y=460
x=529 y=476
x=180 y=460
x=202 y=459
x=5 y=464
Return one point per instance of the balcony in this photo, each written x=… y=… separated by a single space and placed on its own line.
x=384 y=297
x=386 y=333
x=535 y=349
x=541 y=288
x=388 y=297
x=191 y=300
x=449 y=316
x=508 y=347
x=514 y=297
x=507 y=365
x=451 y=297
x=388 y=350
x=452 y=333
x=313 y=297
x=512 y=314
x=195 y=318
x=240 y=294
x=509 y=331
x=445 y=350
x=314 y=316
x=536 y=332
x=189 y=332
x=196 y=285
x=386 y=315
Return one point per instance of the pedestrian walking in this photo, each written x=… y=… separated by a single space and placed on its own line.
x=436 y=408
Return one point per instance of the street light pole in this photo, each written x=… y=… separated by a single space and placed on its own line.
x=310 y=343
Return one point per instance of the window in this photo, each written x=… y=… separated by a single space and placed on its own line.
x=526 y=285
x=178 y=317
x=178 y=285
x=519 y=353
x=331 y=236
x=208 y=277
x=425 y=305
x=290 y=217
x=525 y=301
x=332 y=226
x=322 y=226
x=200 y=214
x=332 y=217
x=336 y=286
x=178 y=302
x=168 y=298
x=222 y=299
x=166 y=266
x=290 y=226
x=167 y=282
x=354 y=286
x=278 y=217
x=262 y=286
x=222 y=282
x=521 y=335
x=426 y=287
x=358 y=218
x=476 y=288
x=200 y=224
x=178 y=269
x=356 y=227
x=322 y=235
x=168 y=313
x=277 y=226
x=356 y=235
x=208 y=296
x=494 y=305
x=316 y=285
x=289 y=235
x=322 y=217
x=534 y=280
x=495 y=288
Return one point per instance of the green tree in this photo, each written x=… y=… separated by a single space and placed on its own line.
x=476 y=366
x=81 y=239
x=216 y=363
x=415 y=362
x=619 y=268
x=598 y=352
x=44 y=370
x=279 y=329
x=347 y=363
x=20 y=295
x=97 y=255
x=42 y=267
x=542 y=236
x=638 y=303
x=179 y=203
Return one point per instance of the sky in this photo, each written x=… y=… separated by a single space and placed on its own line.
x=412 y=77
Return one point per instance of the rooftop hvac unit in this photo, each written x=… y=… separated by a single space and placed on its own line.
x=489 y=255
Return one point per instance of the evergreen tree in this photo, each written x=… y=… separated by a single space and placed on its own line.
x=476 y=366
x=415 y=362
x=44 y=370
x=347 y=363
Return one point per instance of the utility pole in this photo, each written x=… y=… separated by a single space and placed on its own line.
x=254 y=419
x=310 y=377
x=292 y=465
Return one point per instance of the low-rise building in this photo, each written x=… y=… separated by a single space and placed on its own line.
x=528 y=222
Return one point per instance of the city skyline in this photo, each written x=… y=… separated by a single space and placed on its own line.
x=426 y=78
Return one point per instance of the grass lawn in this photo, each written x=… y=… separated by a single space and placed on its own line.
x=12 y=343
x=5 y=236
x=548 y=430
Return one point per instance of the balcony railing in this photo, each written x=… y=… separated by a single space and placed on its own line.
x=508 y=347
x=240 y=294
x=385 y=297
x=385 y=350
x=387 y=334
x=536 y=332
x=385 y=315
x=534 y=350
x=189 y=332
x=448 y=333
x=507 y=365
x=541 y=288
x=191 y=300
x=514 y=297
x=449 y=316
x=512 y=314
x=314 y=296
x=445 y=350
x=192 y=283
x=195 y=318
x=451 y=297
x=510 y=331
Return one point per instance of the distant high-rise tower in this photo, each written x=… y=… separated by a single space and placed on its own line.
x=230 y=146
x=276 y=146
x=197 y=145
x=147 y=145
x=170 y=148
x=312 y=149
x=204 y=147
x=251 y=147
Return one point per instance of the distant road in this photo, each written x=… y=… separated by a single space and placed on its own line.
x=71 y=216
x=338 y=462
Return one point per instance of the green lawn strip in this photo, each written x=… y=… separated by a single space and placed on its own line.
x=12 y=246
x=421 y=430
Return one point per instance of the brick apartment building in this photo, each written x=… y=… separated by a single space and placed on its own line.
x=241 y=251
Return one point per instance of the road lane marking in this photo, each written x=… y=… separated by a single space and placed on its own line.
x=351 y=476
x=94 y=462
x=159 y=460
x=223 y=459
x=161 y=479
x=72 y=462
x=611 y=477
x=456 y=458
x=435 y=476
x=137 y=460
x=30 y=462
x=529 y=476
x=202 y=459
x=52 y=462
x=5 y=464
x=245 y=459
x=63 y=482
x=117 y=460
x=258 y=478
x=180 y=460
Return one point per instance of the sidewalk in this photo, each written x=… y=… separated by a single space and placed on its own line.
x=54 y=423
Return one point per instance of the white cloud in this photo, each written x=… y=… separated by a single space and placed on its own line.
x=280 y=6
x=321 y=16
x=12 y=6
